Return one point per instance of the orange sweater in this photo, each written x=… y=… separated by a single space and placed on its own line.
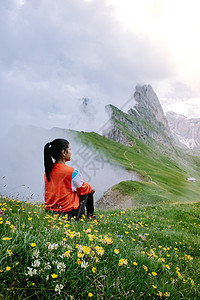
x=61 y=193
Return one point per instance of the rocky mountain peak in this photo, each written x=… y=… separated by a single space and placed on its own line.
x=145 y=121
x=148 y=103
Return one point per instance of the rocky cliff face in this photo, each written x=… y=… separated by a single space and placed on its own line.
x=148 y=105
x=145 y=121
x=187 y=131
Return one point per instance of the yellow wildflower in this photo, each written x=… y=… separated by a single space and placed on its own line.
x=159 y=293
x=67 y=254
x=8 y=268
x=116 y=251
x=167 y=266
x=94 y=269
x=99 y=250
x=9 y=252
x=54 y=275
x=134 y=263
x=192 y=281
x=86 y=249
x=80 y=254
x=154 y=273
x=188 y=257
x=107 y=241
x=33 y=244
x=145 y=268
x=90 y=295
x=155 y=287
x=123 y=262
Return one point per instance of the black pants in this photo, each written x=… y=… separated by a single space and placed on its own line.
x=85 y=201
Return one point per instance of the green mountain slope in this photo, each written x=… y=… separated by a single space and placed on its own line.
x=163 y=172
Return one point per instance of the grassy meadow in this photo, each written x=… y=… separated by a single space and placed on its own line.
x=152 y=252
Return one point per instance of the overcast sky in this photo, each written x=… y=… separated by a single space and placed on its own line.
x=55 y=53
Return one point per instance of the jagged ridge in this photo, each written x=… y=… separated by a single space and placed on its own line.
x=145 y=121
x=187 y=131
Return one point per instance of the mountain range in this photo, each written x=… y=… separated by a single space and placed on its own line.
x=185 y=130
x=147 y=122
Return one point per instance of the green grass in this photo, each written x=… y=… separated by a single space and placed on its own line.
x=168 y=170
x=157 y=245
x=143 y=193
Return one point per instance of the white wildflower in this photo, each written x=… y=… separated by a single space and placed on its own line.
x=84 y=264
x=52 y=246
x=36 y=253
x=47 y=266
x=31 y=271
x=58 y=288
x=61 y=266
x=63 y=244
x=36 y=263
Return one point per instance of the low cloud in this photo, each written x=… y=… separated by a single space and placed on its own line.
x=23 y=177
x=56 y=52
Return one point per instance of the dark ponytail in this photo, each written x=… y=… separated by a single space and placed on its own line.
x=48 y=162
x=53 y=150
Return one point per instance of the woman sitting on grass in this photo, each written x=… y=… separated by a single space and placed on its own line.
x=65 y=190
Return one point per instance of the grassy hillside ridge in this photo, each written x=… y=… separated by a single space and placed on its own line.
x=147 y=253
x=166 y=172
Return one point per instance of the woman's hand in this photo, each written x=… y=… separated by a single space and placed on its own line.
x=92 y=191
